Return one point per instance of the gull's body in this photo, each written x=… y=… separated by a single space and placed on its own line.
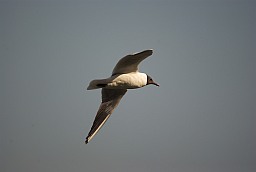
x=125 y=76
x=121 y=81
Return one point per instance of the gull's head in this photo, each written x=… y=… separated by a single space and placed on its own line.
x=151 y=81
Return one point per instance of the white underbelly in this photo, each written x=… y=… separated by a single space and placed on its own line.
x=127 y=81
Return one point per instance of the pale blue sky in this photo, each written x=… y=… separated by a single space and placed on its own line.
x=201 y=118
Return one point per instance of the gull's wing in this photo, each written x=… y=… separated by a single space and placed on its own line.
x=110 y=99
x=130 y=63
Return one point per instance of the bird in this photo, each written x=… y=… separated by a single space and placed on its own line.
x=125 y=75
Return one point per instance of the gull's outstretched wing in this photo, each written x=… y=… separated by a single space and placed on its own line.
x=110 y=99
x=130 y=63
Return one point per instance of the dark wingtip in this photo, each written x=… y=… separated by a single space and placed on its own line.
x=149 y=51
x=86 y=140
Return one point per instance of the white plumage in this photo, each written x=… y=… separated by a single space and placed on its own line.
x=120 y=81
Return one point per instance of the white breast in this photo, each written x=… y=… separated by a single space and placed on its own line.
x=128 y=81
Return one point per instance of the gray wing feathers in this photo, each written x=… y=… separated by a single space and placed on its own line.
x=110 y=99
x=130 y=63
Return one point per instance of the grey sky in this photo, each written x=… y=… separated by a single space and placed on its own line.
x=201 y=118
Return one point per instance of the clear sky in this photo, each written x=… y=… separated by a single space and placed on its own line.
x=201 y=118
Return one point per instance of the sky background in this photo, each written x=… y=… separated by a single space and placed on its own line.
x=201 y=119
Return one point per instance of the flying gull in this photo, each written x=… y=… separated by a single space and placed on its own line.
x=125 y=75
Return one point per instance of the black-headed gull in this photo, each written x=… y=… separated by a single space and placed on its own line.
x=124 y=76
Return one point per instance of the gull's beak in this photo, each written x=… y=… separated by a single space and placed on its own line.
x=156 y=84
